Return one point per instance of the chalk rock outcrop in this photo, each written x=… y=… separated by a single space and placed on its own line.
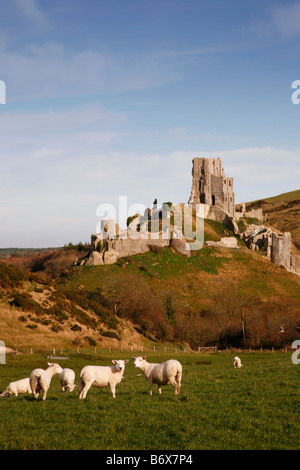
x=110 y=257
x=180 y=246
x=225 y=242
x=94 y=259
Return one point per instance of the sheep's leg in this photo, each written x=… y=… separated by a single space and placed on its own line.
x=159 y=389
x=178 y=380
x=45 y=394
x=36 y=387
x=174 y=383
x=84 y=390
x=113 y=390
x=151 y=386
x=36 y=391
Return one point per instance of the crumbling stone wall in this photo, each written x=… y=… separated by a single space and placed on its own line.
x=295 y=264
x=129 y=246
x=253 y=214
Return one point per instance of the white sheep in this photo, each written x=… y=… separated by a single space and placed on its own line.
x=169 y=372
x=40 y=379
x=67 y=379
x=100 y=376
x=237 y=363
x=19 y=386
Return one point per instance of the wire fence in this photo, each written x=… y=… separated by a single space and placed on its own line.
x=62 y=354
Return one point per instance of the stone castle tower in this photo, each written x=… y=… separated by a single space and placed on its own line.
x=211 y=186
x=281 y=249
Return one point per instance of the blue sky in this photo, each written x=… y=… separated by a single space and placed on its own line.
x=113 y=98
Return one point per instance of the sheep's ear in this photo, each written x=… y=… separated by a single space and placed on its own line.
x=126 y=360
x=133 y=358
x=144 y=357
x=114 y=361
x=50 y=364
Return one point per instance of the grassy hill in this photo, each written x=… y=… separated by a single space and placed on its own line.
x=283 y=213
x=284 y=197
x=218 y=296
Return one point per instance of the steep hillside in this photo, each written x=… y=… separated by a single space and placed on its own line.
x=200 y=300
x=283 y=213
x=36 y=313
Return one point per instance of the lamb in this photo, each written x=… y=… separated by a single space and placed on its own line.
x=237 y=363
x=40 y=379
x=67 y=379
x=169 y=372
x=19 y=386
x=100 y=376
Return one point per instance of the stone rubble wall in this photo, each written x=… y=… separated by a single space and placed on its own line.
x=295 y=264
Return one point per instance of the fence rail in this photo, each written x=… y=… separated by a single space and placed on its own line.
x=61 y=353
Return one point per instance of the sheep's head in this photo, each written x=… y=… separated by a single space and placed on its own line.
x=70 y=387
x=56 y=367
x=139 y=361
x=120 y=364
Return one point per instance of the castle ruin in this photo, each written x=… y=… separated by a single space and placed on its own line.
x=211 y=186
x=212 y=195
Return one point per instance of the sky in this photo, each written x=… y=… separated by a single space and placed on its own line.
x=115 y=98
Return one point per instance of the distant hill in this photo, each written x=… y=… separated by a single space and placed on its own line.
x=283 y=213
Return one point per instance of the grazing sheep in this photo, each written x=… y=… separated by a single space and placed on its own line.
x=168 y=372
x=67 y=379
x=19 y=386
x=100 y=376
x=237 y=363
x=40 y=379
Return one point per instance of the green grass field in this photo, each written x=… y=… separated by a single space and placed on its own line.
x=219 y=407
x=290 y=196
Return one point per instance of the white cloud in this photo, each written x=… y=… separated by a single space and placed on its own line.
x=286 y=19
x=32 y=12
x=58 y=167
x=49 y=69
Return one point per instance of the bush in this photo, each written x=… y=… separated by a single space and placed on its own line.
x=10 y=276
x=25 y=302
x=76 y=328
x=56 y=328
x=90 y=340
x=32 y=326
x=110 y=334
x=22 y=318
